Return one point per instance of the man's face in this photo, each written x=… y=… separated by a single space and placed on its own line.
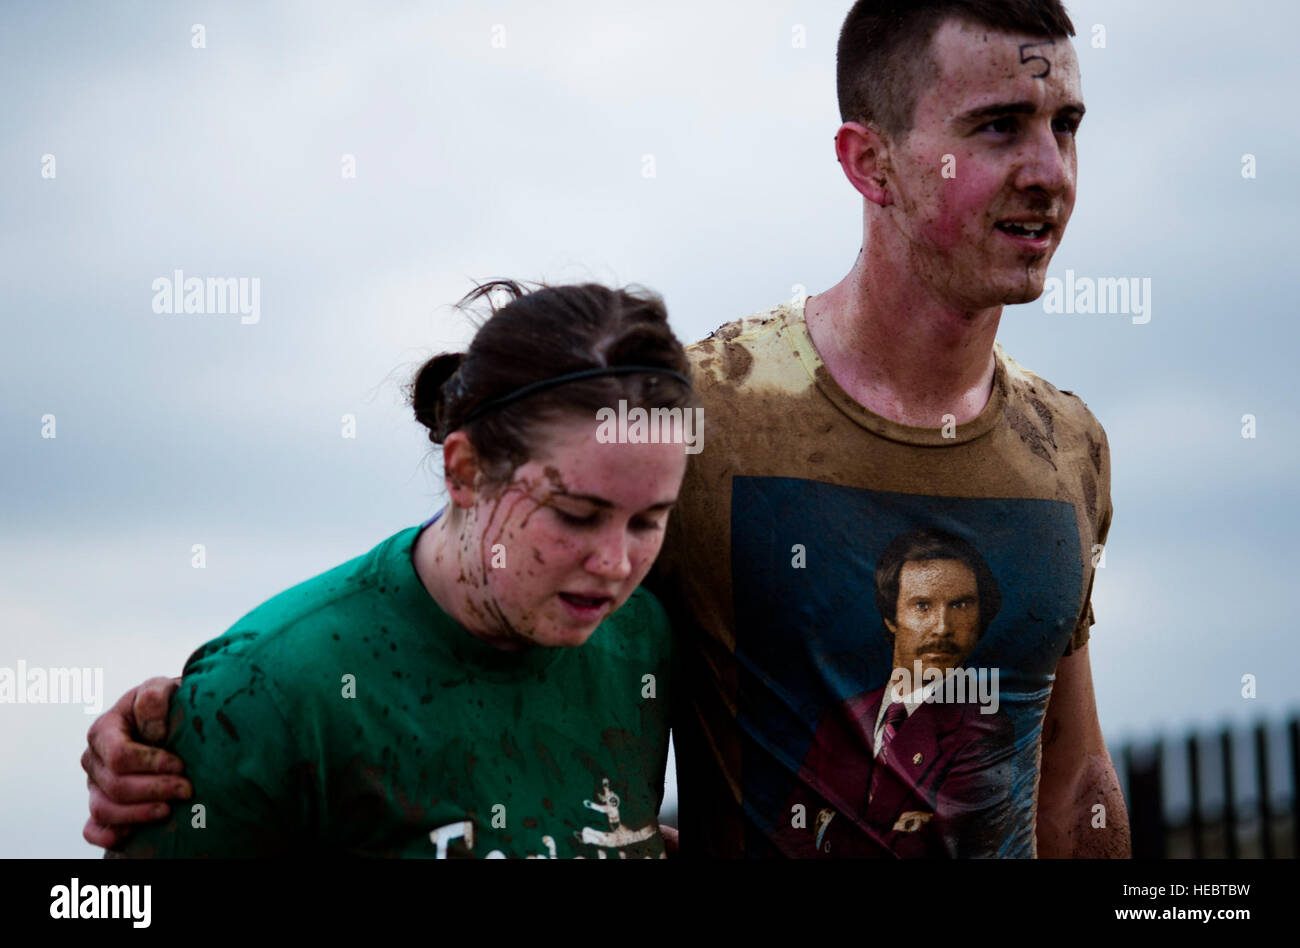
x=1005 y=108
x=937 y=618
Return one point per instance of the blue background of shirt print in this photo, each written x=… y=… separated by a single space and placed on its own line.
x=807 y=639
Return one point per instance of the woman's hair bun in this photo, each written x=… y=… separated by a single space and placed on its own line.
x=432 y=398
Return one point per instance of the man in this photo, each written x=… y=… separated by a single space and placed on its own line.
x=921 y=766
x=884 y=405
x=876 y=407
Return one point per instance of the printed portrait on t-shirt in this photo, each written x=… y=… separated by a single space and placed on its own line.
x=910 y=643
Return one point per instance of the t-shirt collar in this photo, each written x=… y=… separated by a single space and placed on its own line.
x=796 y=332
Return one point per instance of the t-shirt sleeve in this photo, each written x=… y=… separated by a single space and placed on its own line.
x=1105 y=512
x=228 y=725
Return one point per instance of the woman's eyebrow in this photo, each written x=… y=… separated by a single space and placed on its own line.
x=602 y=502
x=590 y=498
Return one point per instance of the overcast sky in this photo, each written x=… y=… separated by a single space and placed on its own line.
x=686 y=146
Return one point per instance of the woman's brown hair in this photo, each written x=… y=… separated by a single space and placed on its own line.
x=539 y=335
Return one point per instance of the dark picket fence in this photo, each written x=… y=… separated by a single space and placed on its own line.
x=1226 y=795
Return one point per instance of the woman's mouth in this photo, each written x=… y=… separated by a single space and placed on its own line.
x=584 y=608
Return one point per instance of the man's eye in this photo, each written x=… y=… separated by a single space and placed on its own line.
x=922 y=607
x=1069 y=126
x=1003 y=126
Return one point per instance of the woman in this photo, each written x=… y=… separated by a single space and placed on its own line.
x=492 y=683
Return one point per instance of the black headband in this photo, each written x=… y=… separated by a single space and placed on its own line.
x=570 y=377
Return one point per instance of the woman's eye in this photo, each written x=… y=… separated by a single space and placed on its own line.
x=644 y=525
x=574 y=521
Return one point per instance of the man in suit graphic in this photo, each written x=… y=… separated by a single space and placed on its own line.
x=906 y=770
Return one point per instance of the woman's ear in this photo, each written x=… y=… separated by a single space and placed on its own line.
x=460 y=461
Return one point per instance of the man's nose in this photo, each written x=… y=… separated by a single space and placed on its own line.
x=1045 y=165
x=941 y=622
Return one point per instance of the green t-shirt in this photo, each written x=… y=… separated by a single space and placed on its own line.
x=350 y=715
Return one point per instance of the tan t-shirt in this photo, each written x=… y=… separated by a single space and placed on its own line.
x=811 y=536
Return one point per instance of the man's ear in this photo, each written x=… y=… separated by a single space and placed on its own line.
x=461 y=463
x=863 y=153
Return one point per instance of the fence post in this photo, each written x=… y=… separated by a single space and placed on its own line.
x=1293 y=730
x=1261 y=777
x=1146 y=802
x=1229 y=796
x=1195 y=823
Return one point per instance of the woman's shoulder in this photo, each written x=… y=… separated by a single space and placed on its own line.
x=306 y=622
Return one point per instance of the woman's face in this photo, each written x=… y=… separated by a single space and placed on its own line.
x=574 y=533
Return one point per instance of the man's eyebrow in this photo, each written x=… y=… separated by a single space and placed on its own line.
x=999 y=109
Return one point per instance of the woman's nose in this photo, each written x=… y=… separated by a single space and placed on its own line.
x=610 y=557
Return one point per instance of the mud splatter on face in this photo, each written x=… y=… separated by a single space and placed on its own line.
x=951 y=231
x=524 y=579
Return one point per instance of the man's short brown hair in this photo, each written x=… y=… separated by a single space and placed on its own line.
x=884 y=50
x=919 y=546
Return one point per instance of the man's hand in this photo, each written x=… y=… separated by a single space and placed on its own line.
x=129 y=780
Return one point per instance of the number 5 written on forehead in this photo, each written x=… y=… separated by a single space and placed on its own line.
x=1047 y=66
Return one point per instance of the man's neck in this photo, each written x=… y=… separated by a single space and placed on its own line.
x=898 y=351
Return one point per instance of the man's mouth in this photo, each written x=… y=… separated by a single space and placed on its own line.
x=1026 y=229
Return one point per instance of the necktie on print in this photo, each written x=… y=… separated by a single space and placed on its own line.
x=895 y=714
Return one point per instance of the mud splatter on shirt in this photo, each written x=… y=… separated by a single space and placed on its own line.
x=441 y=747
x=769 y=571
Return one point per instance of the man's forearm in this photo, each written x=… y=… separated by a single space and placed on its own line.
x=1084 y=817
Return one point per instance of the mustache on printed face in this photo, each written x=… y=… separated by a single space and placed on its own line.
x=944 y=648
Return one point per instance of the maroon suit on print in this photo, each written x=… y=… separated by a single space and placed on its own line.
x=940 y=792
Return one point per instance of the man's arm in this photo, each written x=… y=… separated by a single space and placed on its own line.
x=1077 y=773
